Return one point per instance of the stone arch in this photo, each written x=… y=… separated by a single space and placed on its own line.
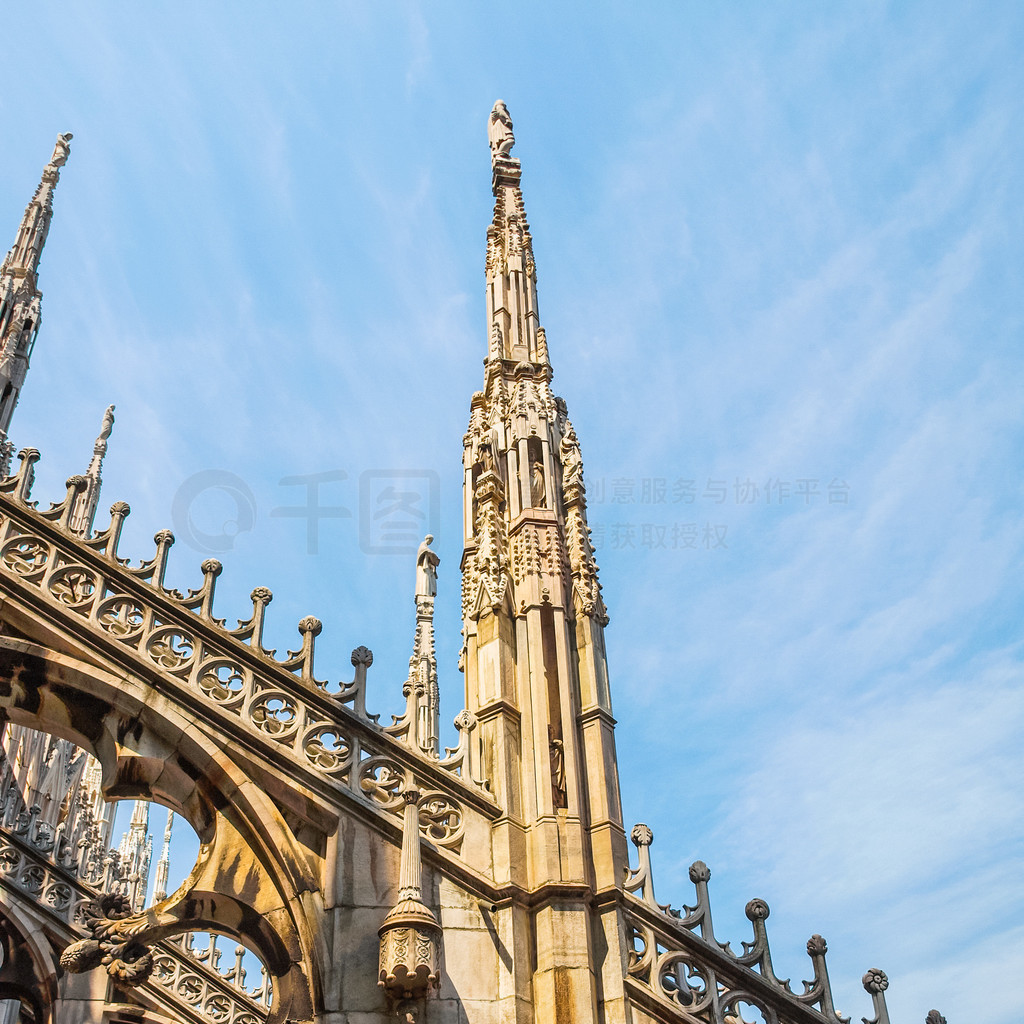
x=27 y=964
x=252 y=880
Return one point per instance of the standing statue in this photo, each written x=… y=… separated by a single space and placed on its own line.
x=538 y=492
x=426 y=569
x=62 y=150
x=556 y=750
x=485 y=455
x=108 y=424
x=499 y=131
x=572 y=460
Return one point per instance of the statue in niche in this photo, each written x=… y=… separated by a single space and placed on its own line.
x=485 y=456
x=499 y=131
x=427 y=562
x=538 y=490
x=572 y=460
x=557 y=751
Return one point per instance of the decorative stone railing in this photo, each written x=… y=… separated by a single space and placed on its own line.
x=197 y=989
x=679 y=969
x=211 y=994
x=228 y=674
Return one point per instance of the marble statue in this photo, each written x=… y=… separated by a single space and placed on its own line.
x=427 y=562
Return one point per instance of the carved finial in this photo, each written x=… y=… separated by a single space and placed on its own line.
x=119 y=512
x=820 y=991
x=757 y=910
x=310 y=628
x=211 y=570
x=252 y=628
x=875 y=981
x=163 y=540
x=26 y=474
x=362 y=659
x=641 y=835
x=934 y=1017
x=699 y=872
x=499 y=131
x=362 y=656
x=76 y=485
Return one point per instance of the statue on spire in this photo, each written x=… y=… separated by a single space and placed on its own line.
x=427 y=562
x=106 y=426
x=499 y=131
x=61 y=150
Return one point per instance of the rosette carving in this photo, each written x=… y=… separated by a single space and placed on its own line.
x=171 y=648
x=441 y=819
x=121 y=616
x=383 y=780
x=222 y=681
x=26 y=556
x=73 y=586
x=274 y=713
x=875 y=981
x=328 y=750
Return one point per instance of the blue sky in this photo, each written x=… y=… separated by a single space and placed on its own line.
x=778 y=248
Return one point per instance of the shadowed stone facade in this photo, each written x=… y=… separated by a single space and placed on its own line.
x=375 y=876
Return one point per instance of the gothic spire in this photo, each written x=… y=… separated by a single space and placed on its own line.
x=136 y=851
x=533 y=617
x=87 y=499
x=513 y=328
x=19 y=291
x=163 y=866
